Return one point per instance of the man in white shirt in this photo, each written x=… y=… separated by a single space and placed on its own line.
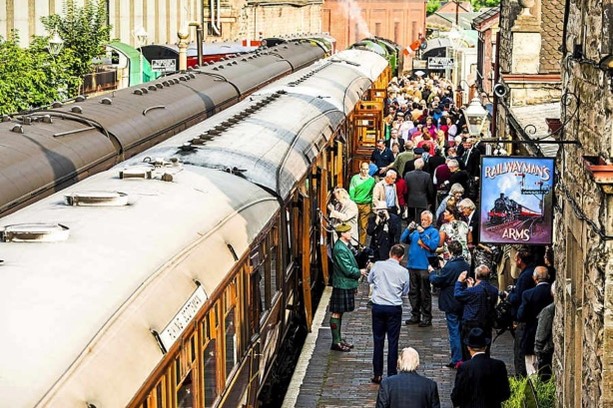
x=390 y=282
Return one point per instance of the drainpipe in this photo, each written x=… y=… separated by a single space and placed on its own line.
x=214 y=14
x=199 y=35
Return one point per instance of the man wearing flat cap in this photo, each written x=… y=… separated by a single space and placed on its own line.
x=345 y=275
x=481 y=381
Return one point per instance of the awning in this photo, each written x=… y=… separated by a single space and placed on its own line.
x=536 y=115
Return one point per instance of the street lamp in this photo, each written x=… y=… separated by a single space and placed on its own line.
x=141 y=36
x=476 y=117
x=55 y=45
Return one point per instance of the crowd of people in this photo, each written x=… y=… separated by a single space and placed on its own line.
x=419 y=190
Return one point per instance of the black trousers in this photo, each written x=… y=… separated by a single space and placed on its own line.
x=544 y=365
x=420 y=295
x=519 y=357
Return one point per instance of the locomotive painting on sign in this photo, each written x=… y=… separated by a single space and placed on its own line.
x=516 y=200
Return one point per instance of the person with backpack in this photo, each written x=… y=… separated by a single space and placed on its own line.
x=479 y=298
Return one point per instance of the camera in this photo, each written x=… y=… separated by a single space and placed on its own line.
x=412 y=226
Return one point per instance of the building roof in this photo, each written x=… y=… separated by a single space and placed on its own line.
x=485 y=15
x=551 y=35
x=535 y=115
x=450 y=6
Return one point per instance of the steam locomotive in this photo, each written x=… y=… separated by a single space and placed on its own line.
x=506 y=209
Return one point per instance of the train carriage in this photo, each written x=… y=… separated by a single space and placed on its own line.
x=66 y=143
x=178 y=278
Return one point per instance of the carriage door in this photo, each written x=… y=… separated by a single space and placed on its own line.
x=367 y=127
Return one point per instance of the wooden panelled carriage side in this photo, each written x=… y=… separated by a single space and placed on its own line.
x=187 y=295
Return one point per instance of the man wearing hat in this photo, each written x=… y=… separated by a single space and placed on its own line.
x=482 y=381
x=345 y=275
x=410 y=165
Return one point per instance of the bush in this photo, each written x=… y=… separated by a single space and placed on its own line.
x=523 y=397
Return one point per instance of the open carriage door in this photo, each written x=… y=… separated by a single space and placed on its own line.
x=367 y=128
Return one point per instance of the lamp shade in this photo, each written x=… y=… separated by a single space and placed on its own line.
x=475 y=116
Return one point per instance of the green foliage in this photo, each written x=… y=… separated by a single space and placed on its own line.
x=521 y=394
x=84 y=30
x=432 y=6
x=31 y=77
x=479 y=4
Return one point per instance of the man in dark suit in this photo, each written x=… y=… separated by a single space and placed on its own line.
x=482 y=381
x=524 y=261
x=408 y=389
x=533 y=301
x=421 y=190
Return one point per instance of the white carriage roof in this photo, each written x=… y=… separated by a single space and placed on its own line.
x=273 y=146
x=122 y=271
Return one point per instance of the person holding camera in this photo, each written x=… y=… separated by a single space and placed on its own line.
x=445 y=279
x=479 y=298
x=342 y=209
x=384 y=230
x=423 y=240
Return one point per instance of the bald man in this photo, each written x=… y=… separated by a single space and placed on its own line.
x=533 y=301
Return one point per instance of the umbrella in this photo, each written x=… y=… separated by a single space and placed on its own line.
x=419 y=73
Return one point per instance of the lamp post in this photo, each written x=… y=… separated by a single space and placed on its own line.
x=55 y=45
x=476 y=117
x=141 y=36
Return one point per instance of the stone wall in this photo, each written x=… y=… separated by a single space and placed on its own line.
x=584 y=323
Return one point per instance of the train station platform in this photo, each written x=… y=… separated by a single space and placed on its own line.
x=325 y=378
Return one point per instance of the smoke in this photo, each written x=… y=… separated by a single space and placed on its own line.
x=354 y=12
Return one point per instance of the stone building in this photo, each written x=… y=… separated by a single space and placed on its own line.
x=234 y=20
x=584 y=233
x=529 y=72
x=352 y=20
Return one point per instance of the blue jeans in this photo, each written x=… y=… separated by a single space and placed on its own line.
x=455 y=343
x=386 y=320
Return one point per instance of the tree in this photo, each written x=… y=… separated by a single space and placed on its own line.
x=84 y=30
x=32 y=77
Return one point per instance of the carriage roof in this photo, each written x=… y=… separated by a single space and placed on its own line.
x=80 y=311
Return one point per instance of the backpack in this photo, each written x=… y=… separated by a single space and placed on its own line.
x=504 y=316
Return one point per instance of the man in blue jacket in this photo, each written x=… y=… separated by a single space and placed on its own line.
x=445 y=279
x=423 y=241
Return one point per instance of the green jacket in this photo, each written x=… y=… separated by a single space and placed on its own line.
x=345 y=271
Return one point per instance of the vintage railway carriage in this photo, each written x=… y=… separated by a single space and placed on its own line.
x=178 y=278
x=49 y=149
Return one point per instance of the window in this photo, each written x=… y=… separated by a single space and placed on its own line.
x=209 y=361
x=185 y=395
x=230 y=342
x=396 y=32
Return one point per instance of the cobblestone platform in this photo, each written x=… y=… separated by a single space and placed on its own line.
x=326 y=378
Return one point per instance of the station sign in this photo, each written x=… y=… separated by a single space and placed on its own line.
x=181 y=320
x=516 y=200
x=440 y=62
x=164 y=65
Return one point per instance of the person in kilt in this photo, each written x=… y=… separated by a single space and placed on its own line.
x=345 y=275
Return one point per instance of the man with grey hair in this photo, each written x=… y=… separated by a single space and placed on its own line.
x=479 y=298
x=457 y=175
x=421 y=190
x=385 y=191
x=543 y=342
x=407 y=388
x=533 y=301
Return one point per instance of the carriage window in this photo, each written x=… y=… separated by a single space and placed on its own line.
x=210 y=369
x=185 y=396
x=160 y=394
x=230 y=342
